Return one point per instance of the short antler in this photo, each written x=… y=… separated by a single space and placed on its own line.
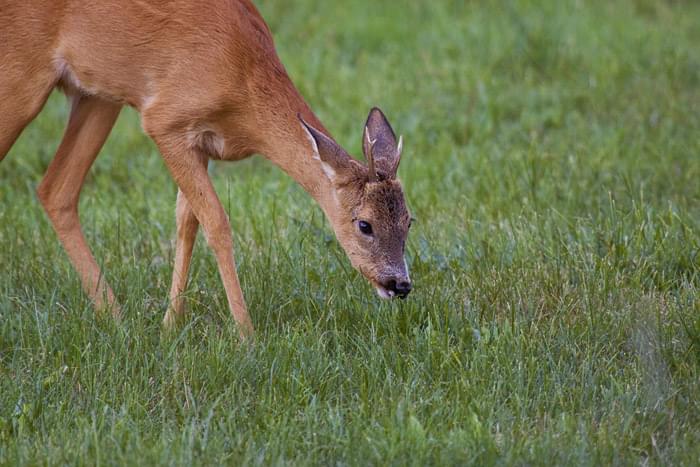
x=380 y=146
x=370 y=157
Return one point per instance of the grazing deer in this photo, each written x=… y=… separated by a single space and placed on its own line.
x=208 y=84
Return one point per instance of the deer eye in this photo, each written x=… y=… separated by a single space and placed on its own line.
x=365 y=227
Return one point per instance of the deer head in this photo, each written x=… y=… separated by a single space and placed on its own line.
x=368 y=211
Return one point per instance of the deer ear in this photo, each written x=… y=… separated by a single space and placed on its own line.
x=333 y=157
x=382 y=151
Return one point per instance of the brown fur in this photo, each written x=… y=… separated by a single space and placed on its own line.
x=208 y=83
x=382 y=205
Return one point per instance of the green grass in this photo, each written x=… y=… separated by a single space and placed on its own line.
x=552 y=163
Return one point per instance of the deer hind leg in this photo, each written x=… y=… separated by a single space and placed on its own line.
x=187 y=226
x=90 y=122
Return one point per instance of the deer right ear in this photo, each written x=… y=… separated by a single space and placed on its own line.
x=382 y=151
x=333 y=157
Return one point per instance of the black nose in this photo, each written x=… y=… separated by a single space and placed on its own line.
x=401 y=289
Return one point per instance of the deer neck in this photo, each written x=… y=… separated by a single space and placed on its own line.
x=288 y=146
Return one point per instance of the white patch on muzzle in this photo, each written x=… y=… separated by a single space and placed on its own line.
x=384 y=293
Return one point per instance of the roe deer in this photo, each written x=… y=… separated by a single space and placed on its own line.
x=208 y=84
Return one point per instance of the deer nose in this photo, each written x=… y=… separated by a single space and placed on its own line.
x=400 y=288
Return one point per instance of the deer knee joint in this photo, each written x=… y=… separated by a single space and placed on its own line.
x=220 y=236
x=63 y=215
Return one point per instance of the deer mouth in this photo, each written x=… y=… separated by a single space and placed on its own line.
x=391 y=289
x=384 y=293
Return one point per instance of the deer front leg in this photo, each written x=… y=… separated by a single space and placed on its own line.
x=90 y=122
x=189 y=171
x=187 y=226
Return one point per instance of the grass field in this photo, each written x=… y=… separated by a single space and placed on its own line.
x=552 y=163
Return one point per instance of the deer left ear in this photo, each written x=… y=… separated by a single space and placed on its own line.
x=333 y=157
x=382 y=151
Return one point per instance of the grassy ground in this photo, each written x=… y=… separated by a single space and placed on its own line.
x=552 y=164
